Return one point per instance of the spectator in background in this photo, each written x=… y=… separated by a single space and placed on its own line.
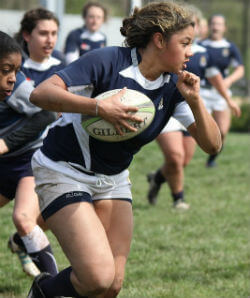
x=88 y=37
x=226 y=56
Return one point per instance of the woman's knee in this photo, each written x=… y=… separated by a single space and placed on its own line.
x=175 y=160
x=22 y=222
x=95 y=282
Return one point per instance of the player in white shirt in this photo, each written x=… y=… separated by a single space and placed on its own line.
x=83 y=183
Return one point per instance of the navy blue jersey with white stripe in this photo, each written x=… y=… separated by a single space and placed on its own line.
x=102 y=70
x=38 y=72
x=81 y=40
x=201 y=63
x=15 y=111
x=224 y=54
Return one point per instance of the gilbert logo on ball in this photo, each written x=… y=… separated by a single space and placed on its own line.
x=102 y=130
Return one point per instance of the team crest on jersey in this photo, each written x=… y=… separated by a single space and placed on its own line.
x=203 y=61
x=85 y=46
x=225 y=52
x=31 y=81
x=160 y=106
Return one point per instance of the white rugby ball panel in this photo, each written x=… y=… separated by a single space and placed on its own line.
x=100 y=129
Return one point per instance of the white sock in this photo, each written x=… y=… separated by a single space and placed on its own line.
x=36 y=240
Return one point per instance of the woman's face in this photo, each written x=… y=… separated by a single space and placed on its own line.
x=217 y=27
x=9 y=67
x=42 y=40
x=94 y=18
x=177 y=50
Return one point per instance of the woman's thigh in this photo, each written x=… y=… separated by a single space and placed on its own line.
x=83 y=240
x=117 y=219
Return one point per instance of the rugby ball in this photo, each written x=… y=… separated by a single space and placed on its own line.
x=102 y=130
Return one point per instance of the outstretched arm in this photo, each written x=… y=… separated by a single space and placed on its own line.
x=27 y=133
x=205 y=130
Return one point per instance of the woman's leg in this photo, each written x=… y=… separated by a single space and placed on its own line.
x=84 y=241
x=223 y=119
x=26 y=216
x=117 y=219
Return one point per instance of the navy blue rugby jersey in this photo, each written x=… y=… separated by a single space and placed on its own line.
x=224 y=54
x=15 y=111
x=38 y=72
x=80 y=41
x=201 y=64
x=102 y=70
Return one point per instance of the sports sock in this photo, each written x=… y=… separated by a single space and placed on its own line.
x=18 y=240
x=38 y=248
x=159 y=178
x=212 y=158
x=45 y=260
x=178 y=196
x=60 y=285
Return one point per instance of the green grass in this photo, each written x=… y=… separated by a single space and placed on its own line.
x=201 y=253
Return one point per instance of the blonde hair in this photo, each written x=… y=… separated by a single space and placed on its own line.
x=164 y=17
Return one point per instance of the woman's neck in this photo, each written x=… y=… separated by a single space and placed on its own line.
x=148 y=66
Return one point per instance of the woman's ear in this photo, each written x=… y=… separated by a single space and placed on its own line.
x=158 y=40
x=26 y=36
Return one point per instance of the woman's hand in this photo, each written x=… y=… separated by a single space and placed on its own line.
x=189 y=86
x=113 y=111
x=236 y=111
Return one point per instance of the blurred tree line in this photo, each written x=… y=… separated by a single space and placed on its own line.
x=237 y=14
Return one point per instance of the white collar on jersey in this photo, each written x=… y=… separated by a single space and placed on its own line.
x=134 y=73
x=52 y=61
x=216 y=43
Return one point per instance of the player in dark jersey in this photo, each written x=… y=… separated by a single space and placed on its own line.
x=89 y=37
x=176 y=143
x=225 y=55
x=83 y=183
x=21 y=128
x=37 y=36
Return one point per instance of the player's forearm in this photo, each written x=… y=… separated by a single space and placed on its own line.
x=218 y=83
x=30 y=131
x=52 y=95
x=236 y=75
x=205 y=130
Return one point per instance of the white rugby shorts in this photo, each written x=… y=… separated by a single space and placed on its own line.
x=56 y=179
x=213 y=100
x=173 y=125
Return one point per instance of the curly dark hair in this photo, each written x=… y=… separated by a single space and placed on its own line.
x=164 y=17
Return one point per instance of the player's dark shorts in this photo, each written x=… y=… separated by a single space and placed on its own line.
x=12 y=169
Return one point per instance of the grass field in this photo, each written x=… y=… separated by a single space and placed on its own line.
x=200 y=253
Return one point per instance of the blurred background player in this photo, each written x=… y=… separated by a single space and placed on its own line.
x=176 y=144
x=37 y=37
x=21 y=128
x=227 y=58
x=88 y=37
